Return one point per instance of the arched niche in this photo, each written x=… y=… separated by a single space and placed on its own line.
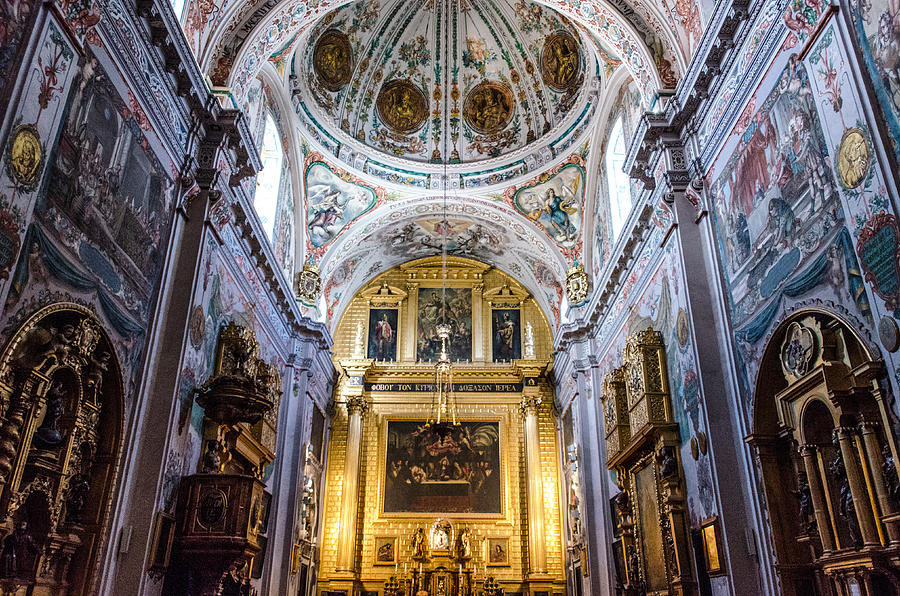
x=826 y=452
x=61 y=421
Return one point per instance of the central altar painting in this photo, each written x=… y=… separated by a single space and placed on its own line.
x=431 y=471
x=455 y=310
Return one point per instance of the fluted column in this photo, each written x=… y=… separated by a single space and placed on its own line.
x=356 y=407
x=482 y=344
x=407 y=351
x=536 y=549
x=869 y=433
x=817 y=493
x=857 y=487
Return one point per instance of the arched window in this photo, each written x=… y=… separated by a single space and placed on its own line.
x=617 y=180
x=265 y=201
x=178 y=7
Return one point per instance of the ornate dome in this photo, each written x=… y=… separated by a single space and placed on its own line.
x=430 y=81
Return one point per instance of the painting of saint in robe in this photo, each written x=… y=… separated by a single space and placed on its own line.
x=507 y=343
x=382 y=334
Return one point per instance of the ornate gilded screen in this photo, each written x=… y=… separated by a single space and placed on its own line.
x=431 y=472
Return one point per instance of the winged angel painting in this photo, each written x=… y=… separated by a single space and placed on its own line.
x=556 y=204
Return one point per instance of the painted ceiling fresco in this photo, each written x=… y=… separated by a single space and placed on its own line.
x=437 y=81
x=399 y=232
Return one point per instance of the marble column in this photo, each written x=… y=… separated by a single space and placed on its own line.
x=482 y=343
x=356 y=407
x=407 y=351
x=530 y=407
x=869 y=433
x=817 y=493
x=858 y=489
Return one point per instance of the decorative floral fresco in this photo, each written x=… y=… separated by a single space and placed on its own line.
x=333 y=200
x=488 y=64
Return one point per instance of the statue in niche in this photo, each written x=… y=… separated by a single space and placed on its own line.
x=17 y=548
x=889 y=475
x=78 y=492
x=360 y=340
x=464 y=545
x=212 y=461
x=99 y=366
x=846 y=506
x=807 y=514
x=668 y=466
x=48 y=435
x=529 y=340
x=418 y=544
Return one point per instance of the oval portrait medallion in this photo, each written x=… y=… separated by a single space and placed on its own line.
x=25 y=156
x=402 y=106
x=853 y=158
x=488 y=107
x=561 y=61
x=332 y=59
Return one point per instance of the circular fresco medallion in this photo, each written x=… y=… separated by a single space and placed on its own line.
x=25 y=156
x=332 y=59
x=561 y=61
x=853 y=158
x=488 y=107
x=197 y=327
x=402 y=106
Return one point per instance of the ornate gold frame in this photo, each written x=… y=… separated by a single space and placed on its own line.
x=381 y=470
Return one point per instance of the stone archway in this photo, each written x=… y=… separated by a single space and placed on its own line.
x=826 y=454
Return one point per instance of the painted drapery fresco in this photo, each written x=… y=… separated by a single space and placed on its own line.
x=333 y=202
x=456 y=311
x=458 y=472
x=382 y=334
x=507 y=334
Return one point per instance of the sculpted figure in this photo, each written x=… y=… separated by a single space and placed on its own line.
x=418 y=544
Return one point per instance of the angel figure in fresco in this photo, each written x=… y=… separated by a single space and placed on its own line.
x=559 y=209
x=886 y=48
x=327 y=212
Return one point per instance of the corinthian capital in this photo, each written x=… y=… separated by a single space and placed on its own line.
x=357 y=405
x=530 y=405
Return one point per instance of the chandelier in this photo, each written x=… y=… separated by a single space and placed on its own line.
x=444 y=416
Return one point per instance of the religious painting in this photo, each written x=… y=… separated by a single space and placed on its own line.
x=425 y=236
x=333 y=202
x=497 y=552
x=439 y=536
x=333 y=59
x=555 y=204
x=126 y=216
x=25 y=156
x=489 y=107
x=561 y=61
x=456 y=311
x=507 y=334
x=430 y=470
x=876 y=28
x=776 y=199
x=385 y=550
x=402 y=106
x=382 y=334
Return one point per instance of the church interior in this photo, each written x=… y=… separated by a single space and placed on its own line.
x=449 y=297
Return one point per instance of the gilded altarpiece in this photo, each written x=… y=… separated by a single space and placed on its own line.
x=642 y=443
x=382 y=405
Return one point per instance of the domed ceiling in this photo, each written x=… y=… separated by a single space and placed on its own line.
x=434 y=81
